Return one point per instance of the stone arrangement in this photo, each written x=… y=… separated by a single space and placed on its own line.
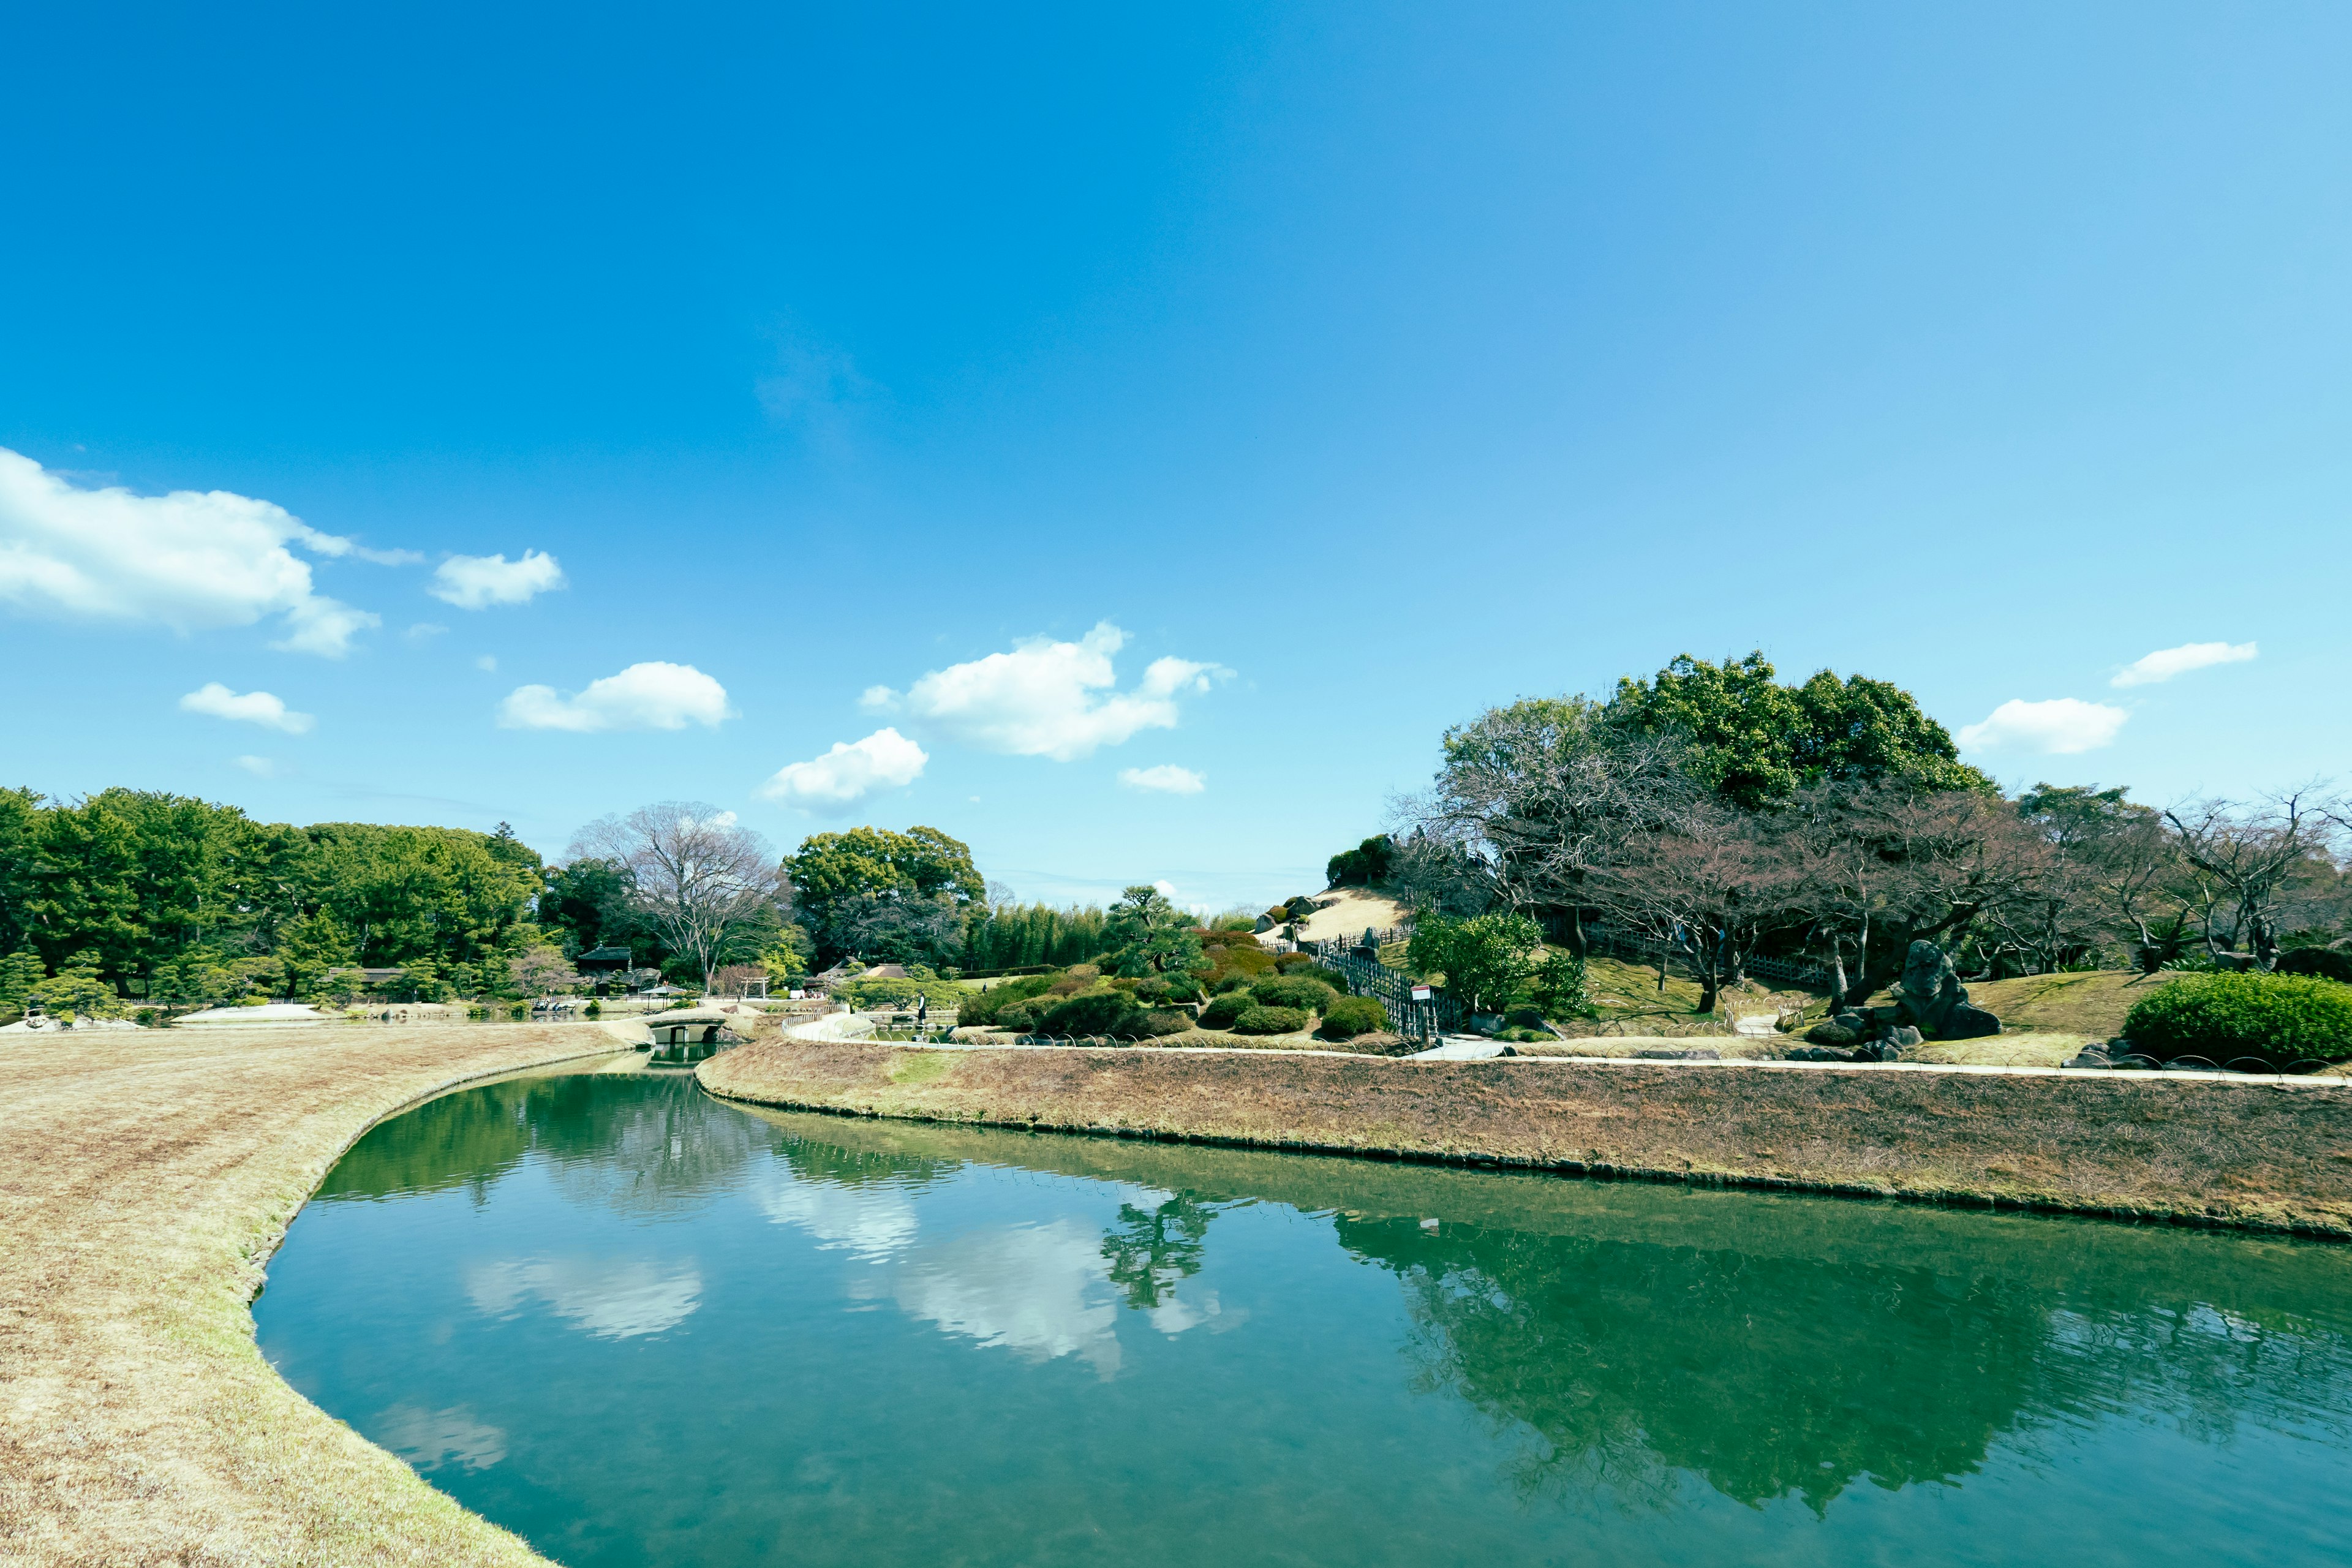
x=1930 y=1003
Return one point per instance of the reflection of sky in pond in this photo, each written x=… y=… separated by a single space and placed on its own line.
x=639 y=1326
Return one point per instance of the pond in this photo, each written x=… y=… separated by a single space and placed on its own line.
x=638 y=1325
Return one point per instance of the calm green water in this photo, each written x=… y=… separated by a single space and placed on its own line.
x=640 y=1326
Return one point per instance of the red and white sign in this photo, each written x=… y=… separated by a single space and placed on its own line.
x=1422 y=994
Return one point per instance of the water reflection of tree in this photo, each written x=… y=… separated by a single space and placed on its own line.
x=832 y=1165
x=1768 y=1376
x=630 y=1141
x=1148 y=1251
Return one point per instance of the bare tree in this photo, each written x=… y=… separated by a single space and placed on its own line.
x=698 y=876
x=1549 y=793
x=2257 y=864
x=1709 y=886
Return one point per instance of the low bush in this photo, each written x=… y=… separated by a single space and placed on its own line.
x=594 y=1011
x=1286 y=962
x=1295 y=991
x=1830 y=1034
x=1269 y=1021
x=1221 y=1012
x=1019 y=1015
x=1524 y=1018
x=2323 y=962
x=1226 y=982
x=1153 y=1024
x=983 y=1007
x=1181 y=988
x=519 y=1010
x=1353 y=1015
x=1092 y=1013
x=2278 y=1018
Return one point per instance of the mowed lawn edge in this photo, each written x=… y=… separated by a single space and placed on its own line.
x=2206 y=1151
x=145 y=1180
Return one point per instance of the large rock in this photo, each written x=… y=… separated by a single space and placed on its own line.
x=1934 y=999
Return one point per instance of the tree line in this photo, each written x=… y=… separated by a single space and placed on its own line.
x=163 y=898
x=1713 y=812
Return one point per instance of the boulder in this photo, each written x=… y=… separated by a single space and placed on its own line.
x=1934 y=1000
x=1902 y=1037
x=1832 y=1034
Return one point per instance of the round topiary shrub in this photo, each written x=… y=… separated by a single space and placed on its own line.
x=1152 y=1026
x=1286 y=962
x=1830 y=1034
x=1181 y=988
x=2279 y=1018
x=1093 y=1013
x=1231 y=983
x=2323 y=962
x=1294 y=991
x=1353 y=1015
x=1221 y=1012
x=1269 y=1021
x=1019 y=1014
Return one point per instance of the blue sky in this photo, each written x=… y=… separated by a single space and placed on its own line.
x=1229 y=394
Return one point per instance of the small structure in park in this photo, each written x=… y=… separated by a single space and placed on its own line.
x=689 y=1034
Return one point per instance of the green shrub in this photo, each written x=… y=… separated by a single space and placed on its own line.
x=1093 y=1013
x=1524 y=1018
x=478 y=1015
x=1021 y=1014
x=2323 y=962
x=1181 y=988
x=1221 y=1012
x=1286 y=962
x=1152 y=1026
x=1353 y=1015
x=983 y=1006
x=1294 y=991
x=1269 y=1021
x=1830 y=1034
x=1230 y=983
x=2279 y=1018
x=519 y=1010
x=594 y=1011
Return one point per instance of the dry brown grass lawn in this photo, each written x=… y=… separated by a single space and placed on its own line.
x=144 y=1180
x=2211 y=1151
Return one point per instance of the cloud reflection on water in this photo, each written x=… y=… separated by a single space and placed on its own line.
x=613 y=1298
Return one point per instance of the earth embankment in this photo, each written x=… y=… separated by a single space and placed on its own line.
x=2206 y=1151
x=144 y=1180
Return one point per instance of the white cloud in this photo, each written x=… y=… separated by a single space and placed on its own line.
x=428 y=1439
x=488 y=661
x=649 y=696
x=1167 y=778
x=2166 y=662
x=2063 y=725
x=478 y=581
x=425 y=631
x=259 y=708
x=848 y=773
x=259 y=767
x=1040 y=1292
x=191 y=560
x=877 y=699
x=1054 y=698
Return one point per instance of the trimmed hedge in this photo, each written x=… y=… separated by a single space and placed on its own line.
x=2280 y=1018
x=983 y=1007
x=1269 y=1021
x=1353 y=1015
x=1221 y=1012
x=1093 y=1013
x=1294 y=991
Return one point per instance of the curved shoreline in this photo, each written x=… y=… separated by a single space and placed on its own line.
x=2141 y=1148
x=145 y=1180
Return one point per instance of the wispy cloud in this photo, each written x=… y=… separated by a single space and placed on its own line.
x=478 y=581
x=2062 y=726
x=649 y=696
x=261 y=708
x=2166 y=662
x=1056 y=699
x=259 y=767
x=1167 y=779
x=848 y=773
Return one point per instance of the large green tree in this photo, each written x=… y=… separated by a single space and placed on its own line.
x=1753 y=740
x=872 y=887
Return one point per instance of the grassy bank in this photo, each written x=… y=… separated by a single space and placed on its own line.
x=2211 y=1151
x=144 y=1180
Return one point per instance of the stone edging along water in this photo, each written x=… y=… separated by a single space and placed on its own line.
x=2241 y=1153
